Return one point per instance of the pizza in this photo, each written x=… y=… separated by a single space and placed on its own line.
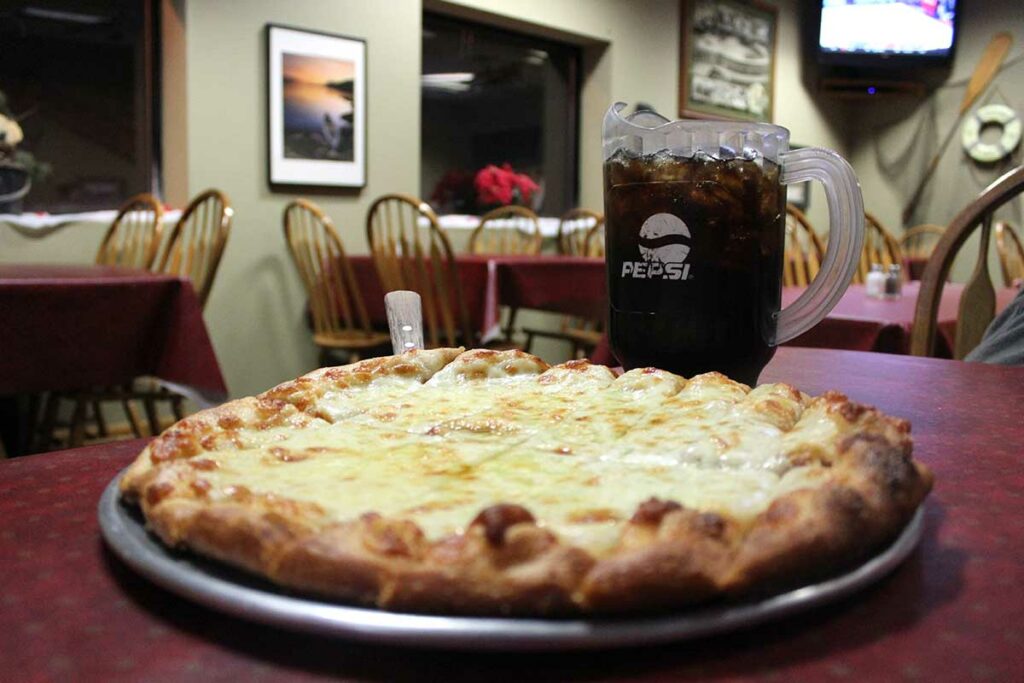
x=489 y=483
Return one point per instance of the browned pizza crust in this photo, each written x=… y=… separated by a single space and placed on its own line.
x=666 y=556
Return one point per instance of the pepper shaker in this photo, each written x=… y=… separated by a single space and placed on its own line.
x=894 y=282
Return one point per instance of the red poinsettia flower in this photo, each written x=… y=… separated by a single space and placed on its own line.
x=503 y=186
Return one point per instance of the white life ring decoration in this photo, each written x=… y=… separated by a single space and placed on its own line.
x=991 y=152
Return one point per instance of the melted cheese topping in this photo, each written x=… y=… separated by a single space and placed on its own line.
x=578 y=448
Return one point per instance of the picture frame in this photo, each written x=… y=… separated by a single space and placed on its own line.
x=727 y=59
x=316 y=108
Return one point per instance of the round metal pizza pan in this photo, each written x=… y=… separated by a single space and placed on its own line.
x=224 y=589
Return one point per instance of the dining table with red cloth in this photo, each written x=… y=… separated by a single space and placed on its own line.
x=953 y=610
x=577 y=286
x=69 y=327
x=862 y=323
x=572 y=285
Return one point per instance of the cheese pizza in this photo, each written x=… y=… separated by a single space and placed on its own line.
x=486 y=482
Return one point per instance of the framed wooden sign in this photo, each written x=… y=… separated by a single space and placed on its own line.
x=727 y=58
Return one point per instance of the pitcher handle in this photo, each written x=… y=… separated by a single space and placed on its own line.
x=845 y=237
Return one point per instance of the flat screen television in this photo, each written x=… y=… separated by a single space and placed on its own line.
x=887 y=33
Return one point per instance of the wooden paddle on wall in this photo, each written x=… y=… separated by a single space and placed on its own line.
x=991 y=59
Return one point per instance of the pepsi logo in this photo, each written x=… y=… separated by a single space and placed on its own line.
x=664 y=238
x=664 y=243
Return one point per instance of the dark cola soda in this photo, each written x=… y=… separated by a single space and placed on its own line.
x=694 y=249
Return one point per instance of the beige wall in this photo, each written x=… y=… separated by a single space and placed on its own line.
x=255 y=311
x=892 y=141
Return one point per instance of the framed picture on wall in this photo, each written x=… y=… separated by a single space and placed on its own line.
x=727 y=59
x=316 y=108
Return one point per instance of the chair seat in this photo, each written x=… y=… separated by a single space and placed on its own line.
x=351 y=339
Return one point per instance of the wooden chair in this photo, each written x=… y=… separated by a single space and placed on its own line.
x=340 y=322
x=573 y=229
x=193 y=251
x=919 y=241
x=197 y=242
x=879 y=247
x=803 y=250
x=507 y=230
x=978 y=301
x=582 y=334
x=411 y=251
x=593 y=246
x=513 y=230
x=1011 y=253
x=916 y=245
x=133 y=239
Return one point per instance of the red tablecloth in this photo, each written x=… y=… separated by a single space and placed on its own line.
x=69 y=610
x=861 y=323
x=70 y=327
x=560 y=284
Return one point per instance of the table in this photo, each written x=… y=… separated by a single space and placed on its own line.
x=42 y=224
x=573 y=285
x=72 y=327
x=861 y=323
x=547 y=225
x=577 y=286
x=953 y=611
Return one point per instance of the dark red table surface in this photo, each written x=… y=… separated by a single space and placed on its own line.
x=70 y=327
x=862 y=323
x=954 y=610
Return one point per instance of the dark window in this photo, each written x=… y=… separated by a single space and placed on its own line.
x=81 y=75
x=495 y=97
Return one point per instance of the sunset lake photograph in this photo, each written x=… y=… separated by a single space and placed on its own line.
x=318 y=108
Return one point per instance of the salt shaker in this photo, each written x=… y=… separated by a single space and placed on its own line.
x=894 y=282
x=874 y=283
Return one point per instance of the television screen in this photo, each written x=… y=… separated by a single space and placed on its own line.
x=887 y=27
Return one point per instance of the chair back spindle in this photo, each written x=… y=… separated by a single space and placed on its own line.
x=879 y=247
x=573 y=230
x=803 y=250
x=410 y=251
x=197 y=243
x=919 y=241
x=316 y=248
x=1011 y=253
x=593 y=246
x=507 y=230
x=133 y=238
x=978 y=300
